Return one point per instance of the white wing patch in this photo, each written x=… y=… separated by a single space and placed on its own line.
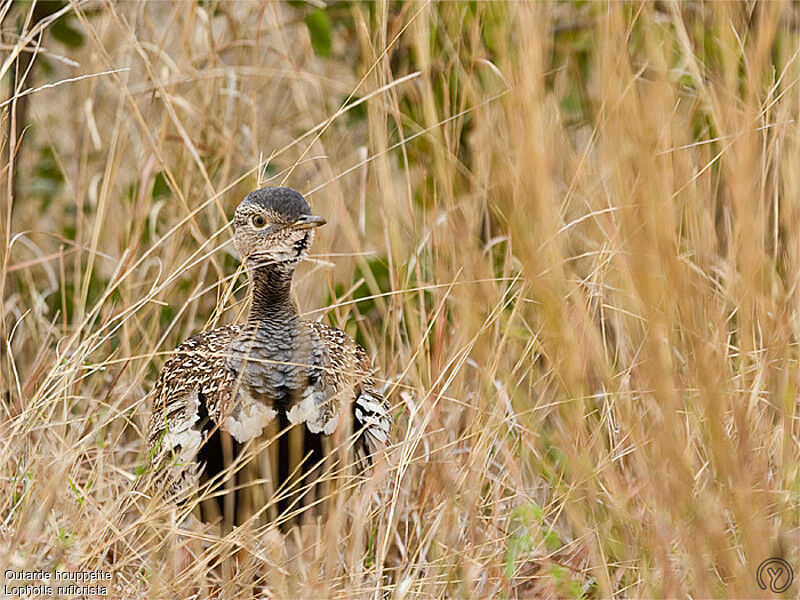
x=181 y=441
x=315 y=411
x=248 y=417
x=317 y=407
x=372 y=415
x=181 y=432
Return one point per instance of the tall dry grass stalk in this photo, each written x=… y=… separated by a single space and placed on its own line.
x=569 y=234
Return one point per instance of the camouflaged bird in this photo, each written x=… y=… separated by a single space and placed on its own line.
x=237 y=379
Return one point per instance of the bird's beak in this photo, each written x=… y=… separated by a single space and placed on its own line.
x=308 y=222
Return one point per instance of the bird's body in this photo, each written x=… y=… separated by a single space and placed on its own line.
x=235 y=380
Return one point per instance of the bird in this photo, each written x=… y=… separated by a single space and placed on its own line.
x=225 y=385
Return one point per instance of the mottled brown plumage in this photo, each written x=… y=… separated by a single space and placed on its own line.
x=237 y=379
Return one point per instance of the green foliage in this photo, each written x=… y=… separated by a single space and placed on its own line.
x=529 y=533
x=160 y=186
x=369 y=557
x=47 y=177
x=573 y=51
x=79 y=495
x=166 y=315
x=212 y=6
x=62 y=30
x=566 y=585
x=364 y=298
x=528 y=529
x=66 y=538
x=67 y=295
x=100 y=438
x=319 y=29
x=357 y=114
x=20 y=483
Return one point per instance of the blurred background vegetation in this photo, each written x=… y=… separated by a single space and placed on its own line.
x=569 y=234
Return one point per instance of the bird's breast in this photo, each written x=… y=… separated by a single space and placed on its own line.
x=272 y=363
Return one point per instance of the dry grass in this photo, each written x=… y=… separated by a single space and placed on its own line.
x=569 y=234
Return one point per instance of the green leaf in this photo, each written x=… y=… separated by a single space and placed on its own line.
x=47 y=177
x=66 y=33
x=160 y=186
x=78 y=495
x=319 y=28
x=65 y=538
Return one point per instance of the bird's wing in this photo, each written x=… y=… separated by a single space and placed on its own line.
x=317 y=404
x=344 y=381
x=192 y=392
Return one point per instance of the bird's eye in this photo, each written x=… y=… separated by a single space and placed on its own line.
x=259 y=222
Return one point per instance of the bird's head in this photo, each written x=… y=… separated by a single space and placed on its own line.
x=274 y=225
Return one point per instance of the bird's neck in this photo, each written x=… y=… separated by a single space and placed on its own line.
x=270 y=291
